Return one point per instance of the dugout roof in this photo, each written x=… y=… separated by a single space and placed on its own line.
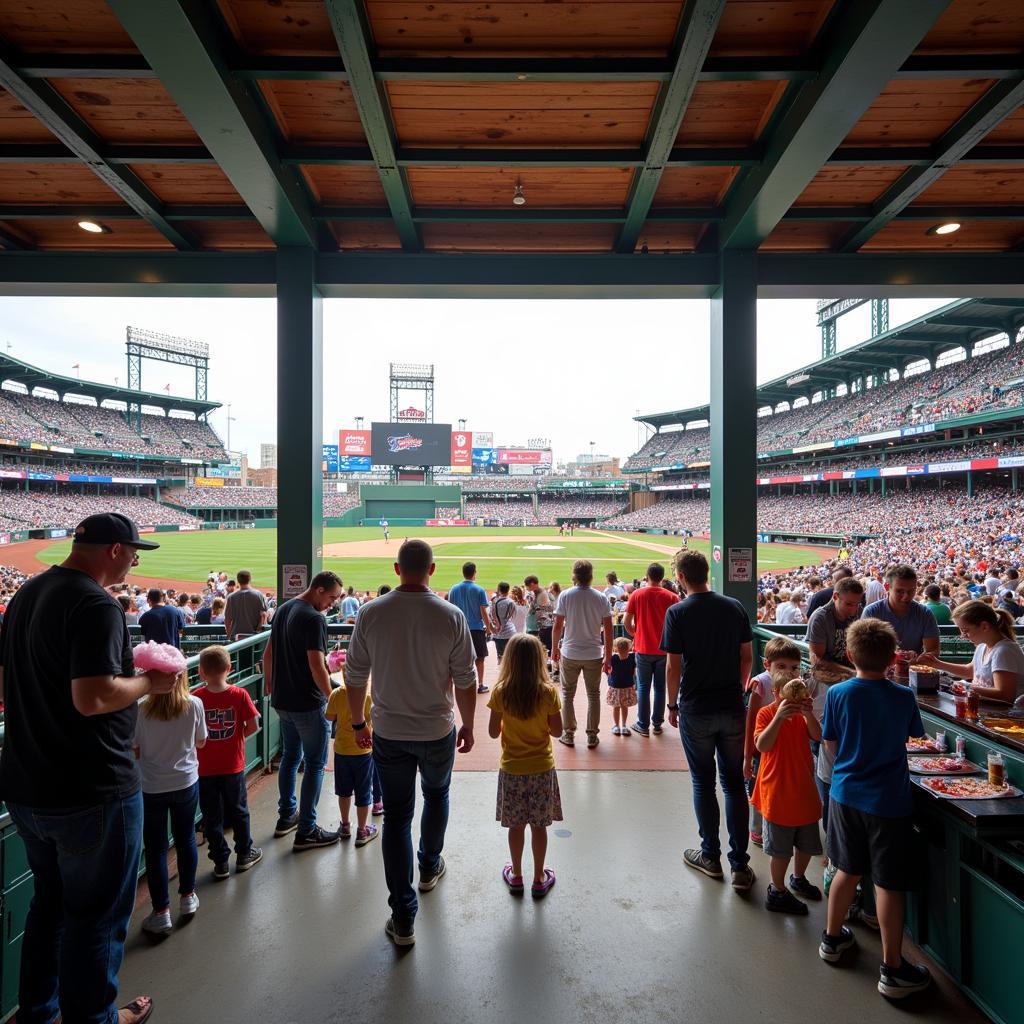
x=31 y=377
x=957 y=325
x=654 y=127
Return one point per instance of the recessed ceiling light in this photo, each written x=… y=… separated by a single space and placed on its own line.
x=944 y=229
x=522 y=77
x=93 y=228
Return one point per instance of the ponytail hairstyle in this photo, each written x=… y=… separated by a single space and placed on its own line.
x=977 y=613
x=166 y=707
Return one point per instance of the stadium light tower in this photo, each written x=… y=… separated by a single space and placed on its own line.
x=462 y=423
x=230 y=420
x=359 y=423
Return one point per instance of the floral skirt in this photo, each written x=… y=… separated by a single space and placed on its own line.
x=528 y=799
x=620 y=697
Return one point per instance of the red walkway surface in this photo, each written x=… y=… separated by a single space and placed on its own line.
x=633 y=753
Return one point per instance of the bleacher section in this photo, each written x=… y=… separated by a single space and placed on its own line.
x=66 y=508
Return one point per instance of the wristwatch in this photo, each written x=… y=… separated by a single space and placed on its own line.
x=358 y=726
x=673 y=707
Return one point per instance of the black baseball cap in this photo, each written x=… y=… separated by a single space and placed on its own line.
x=111 y=528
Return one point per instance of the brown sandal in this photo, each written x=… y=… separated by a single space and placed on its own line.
x=135 y=1006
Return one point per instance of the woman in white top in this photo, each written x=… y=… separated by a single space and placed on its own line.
x=997 y=671
x=521 y=610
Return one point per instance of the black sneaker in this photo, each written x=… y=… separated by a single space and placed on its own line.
x=902 y=981
x=286 y=825
x=782 y=901
x=400 y=934
x=248 y=860
x=428 y=882
x=833 y=946
x=800 y=885
x=221 y=870
x=483 y=689
x=315 y=839
x=696 y=859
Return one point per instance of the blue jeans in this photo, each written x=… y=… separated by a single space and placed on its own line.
x=704 y=737
x=304 y=737
x=397 y=762
x=225 y=802
x=650 y=668
x=85 y=864
x=181 y=805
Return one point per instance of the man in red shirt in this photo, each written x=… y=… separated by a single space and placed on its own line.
x=644 y=621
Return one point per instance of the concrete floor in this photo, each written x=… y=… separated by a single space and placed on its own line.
x=627 y=933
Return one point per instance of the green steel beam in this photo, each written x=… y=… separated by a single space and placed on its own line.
x=535 y=69
x=864 y=45
x=183 y=43
x=696 y=30
x=300 y=396
x=9 y=240
x=734 y=404
x=42 y=100
x=780 y=275
x=104 y=212
x=353 y=36
x=922 y=156
x=1001 y=100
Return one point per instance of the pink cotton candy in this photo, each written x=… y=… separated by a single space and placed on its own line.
x=336 y=660
x=158 y=658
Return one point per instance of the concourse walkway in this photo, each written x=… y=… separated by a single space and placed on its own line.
x=627 y=933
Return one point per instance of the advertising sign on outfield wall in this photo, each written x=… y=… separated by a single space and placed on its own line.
x=462 y=450
x=354 y=442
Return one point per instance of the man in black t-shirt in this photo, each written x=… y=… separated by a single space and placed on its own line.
x=295 y=670
x=68 y=775
x=708 y=641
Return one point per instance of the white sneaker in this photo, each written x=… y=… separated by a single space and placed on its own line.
x=188 y=905
x=158 y=923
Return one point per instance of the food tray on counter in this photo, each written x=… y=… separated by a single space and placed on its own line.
x=948 y=788
x=922 y=745
x=943 y=765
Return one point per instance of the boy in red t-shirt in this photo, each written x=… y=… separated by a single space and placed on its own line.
x=231 y=716
x=786 y=795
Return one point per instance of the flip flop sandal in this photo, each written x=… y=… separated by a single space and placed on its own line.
x=514 y=882
x=135 y=1008
x=539 y=889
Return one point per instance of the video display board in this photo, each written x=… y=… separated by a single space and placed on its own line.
x=411 y=444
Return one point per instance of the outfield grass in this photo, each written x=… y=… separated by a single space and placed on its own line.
x=191 y=556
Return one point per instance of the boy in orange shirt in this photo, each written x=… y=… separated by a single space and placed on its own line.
x=786 y=795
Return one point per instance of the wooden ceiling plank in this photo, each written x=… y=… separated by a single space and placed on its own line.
x=54 y=112
x=998 y=103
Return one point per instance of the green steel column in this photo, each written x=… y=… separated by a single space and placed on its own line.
x=734 y=429
x=300 y=346
x=1013 y=477
x=970 y=484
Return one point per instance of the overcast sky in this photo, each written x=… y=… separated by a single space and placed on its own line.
x=573 y=371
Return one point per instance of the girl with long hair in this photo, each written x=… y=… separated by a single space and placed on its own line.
x=997 y=669
x=526 y=713
x=169 y=730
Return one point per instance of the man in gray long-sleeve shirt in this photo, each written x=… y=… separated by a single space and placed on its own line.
x=417 y=646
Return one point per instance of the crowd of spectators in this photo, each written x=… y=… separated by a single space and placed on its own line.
x=954 y=389
x=66 y=508
x=76 y=424
x=578 y=507
x=223 y=497
x=511 y=511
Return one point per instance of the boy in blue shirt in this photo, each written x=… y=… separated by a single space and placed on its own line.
x=866 y=723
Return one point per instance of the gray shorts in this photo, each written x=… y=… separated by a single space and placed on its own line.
x=782 y=840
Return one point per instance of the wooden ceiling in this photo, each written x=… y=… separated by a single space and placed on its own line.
x=414 y=129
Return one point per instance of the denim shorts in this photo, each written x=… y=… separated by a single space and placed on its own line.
x=353 y=775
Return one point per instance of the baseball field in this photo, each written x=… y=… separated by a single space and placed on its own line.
x=363 y=560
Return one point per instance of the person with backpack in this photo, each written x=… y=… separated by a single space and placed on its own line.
x=503 y=610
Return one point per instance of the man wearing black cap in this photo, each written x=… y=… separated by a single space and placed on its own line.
x=68 y=775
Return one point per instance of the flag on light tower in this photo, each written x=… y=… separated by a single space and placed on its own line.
x=78 y=367
x=167 y=388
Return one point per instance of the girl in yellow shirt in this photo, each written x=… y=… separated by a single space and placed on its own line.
x=526 y=713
